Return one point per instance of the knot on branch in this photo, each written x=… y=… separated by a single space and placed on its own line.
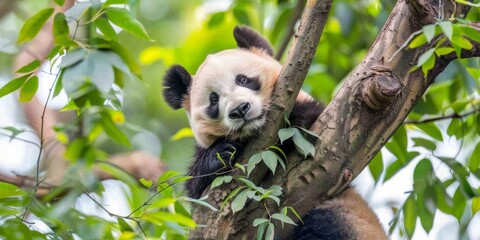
x=380 y=88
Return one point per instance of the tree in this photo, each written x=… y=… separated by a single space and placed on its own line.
x=417 y=42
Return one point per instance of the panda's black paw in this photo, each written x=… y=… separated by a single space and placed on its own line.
x=225 y=153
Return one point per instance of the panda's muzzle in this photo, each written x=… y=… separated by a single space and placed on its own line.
x=240 y=111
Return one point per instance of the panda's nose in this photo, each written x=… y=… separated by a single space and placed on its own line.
x=240 y=111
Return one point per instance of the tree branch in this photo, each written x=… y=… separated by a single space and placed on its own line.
x=297 y=13
x=369 y=107
x=291 y=78
x=434 y=119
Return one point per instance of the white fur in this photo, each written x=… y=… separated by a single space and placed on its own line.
x=217 y=74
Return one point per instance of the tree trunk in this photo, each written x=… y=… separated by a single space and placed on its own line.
x=372 y=103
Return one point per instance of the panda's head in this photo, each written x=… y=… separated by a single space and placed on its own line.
x=229 y=95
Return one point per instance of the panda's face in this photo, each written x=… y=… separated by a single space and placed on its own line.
x=230 y=94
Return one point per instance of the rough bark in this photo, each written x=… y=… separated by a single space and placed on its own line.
x=370 y=106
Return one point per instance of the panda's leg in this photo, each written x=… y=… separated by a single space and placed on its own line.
x=305 y=111
x=211 y=162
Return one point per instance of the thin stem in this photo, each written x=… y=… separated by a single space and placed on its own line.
x=42 y=140
x=290 y=28
x=434 y=119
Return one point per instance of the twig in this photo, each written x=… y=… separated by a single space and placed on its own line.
x=21 y=139
x=290 y=28
x=434 y=119
x=42 y=141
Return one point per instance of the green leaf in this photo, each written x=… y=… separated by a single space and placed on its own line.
x=474 y=161
x=455 y=127
x=432 y=130
x=393 y=169
x=269 y=235
x=202 y=203
x=270 y=159
x=429 y=32
x=425 y=57
x=457 y=167
x=128 y=59
x=8 y=190
x=101 y=70
x=30 y=67
x=59 y=2
x=425 y=213
x=410 y=215
x=220 y=180
x=124 y=226
x=216 y=19
x=73 y=57
x=302 y=144
x=427 y=144
x=471 y=33
x=112 y=131
x=241 y=16
x=170 y=174
x=239 y=202
x=285 y=133
x=159 y=217
x=261 y=230
x=61 y=31
x=460 y=41
x=428 y=65
x=146 y=183
x=111 y=2
x=29 y=89
x=443 y=51
x=259 y=221
x=283 y=218
x=418 y=41
x=33 y=25
x=106 y=28
x=475 y=205
x=13 y=85
x=122 y=18
x=15 y=131
x=254 y=160
x=231 y=195
x=376 y=166
x=459 y=201
x=75 y=149
x=446 y=27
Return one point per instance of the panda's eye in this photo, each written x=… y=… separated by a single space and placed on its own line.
x=250 y=83
x=213 y=98
x=243 y=81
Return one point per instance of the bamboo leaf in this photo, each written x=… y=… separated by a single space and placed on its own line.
x=33 y=25
x=122 y=18
x=29 y=89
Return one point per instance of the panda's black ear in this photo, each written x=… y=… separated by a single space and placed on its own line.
x=248 y=38
x=175 y=86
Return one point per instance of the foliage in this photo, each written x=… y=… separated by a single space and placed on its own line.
x=94 y=72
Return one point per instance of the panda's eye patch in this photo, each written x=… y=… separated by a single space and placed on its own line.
x=213 y=98
x=213 y=109
x=250 y=83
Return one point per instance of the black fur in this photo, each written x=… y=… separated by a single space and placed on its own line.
x=324 y=224
x=250 y=83
x=248 y=38
x=176 y=84
x=206 y=164
x=206 y=161
x=213 y=110
x=304 y=114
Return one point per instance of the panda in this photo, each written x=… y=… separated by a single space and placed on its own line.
x=227 y=101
